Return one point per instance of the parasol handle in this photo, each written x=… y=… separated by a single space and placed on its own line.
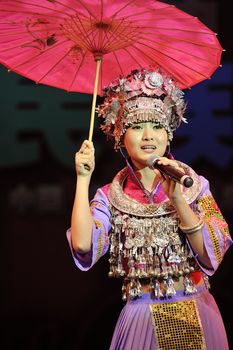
x=98 y=64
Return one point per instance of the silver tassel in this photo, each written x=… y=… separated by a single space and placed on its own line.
x=135 y=289
x=170 y=290
x=206 y=280
x=124 y=291
x=188 y=286
x=157 y=291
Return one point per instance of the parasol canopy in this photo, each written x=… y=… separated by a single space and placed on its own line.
x=59 y=42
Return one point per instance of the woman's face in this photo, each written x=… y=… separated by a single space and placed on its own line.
x=143 y=140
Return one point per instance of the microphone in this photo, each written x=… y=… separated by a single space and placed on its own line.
x=170 y=171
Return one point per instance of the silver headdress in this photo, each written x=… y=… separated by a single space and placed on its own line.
x=142 y=96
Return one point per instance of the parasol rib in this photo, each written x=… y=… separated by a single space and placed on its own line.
x=83 y=32
x=51 y=68
x=158 y=63
x=130 y=2
x=112 y=32
x=180 y=63
x=119 y=65
x=174 y=72
x=42 y=7
x=100 y=38
x=178 y=39
x=93 y=34
x=176 y=49
x=156 y=18
x=175 y=60
x=164 y=36
x=133 y=58
x=115 y=42
x=70 y=8
x=77 y=71
x=122 y=8
x=179 y=30
x=144 y=12
x=86 y=8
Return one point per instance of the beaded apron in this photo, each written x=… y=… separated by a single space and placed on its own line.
x=146 y=244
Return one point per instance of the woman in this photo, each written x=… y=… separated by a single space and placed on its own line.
x=164 y=239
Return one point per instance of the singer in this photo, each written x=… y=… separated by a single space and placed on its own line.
x=164 y=239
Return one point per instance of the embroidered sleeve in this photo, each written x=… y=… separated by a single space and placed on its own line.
x=100 y=241
x=215 y=231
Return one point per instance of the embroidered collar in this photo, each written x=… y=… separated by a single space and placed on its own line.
x=127 y=203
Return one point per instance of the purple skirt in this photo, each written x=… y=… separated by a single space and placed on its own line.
x=181 y=323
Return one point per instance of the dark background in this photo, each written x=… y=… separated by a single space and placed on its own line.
x=46 y=302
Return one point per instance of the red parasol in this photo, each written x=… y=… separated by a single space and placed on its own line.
x=63 y=42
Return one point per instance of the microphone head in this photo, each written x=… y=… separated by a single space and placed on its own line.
x=188 y=182
x=151 y=161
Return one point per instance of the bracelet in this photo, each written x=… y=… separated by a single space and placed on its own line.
x=191 y=230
